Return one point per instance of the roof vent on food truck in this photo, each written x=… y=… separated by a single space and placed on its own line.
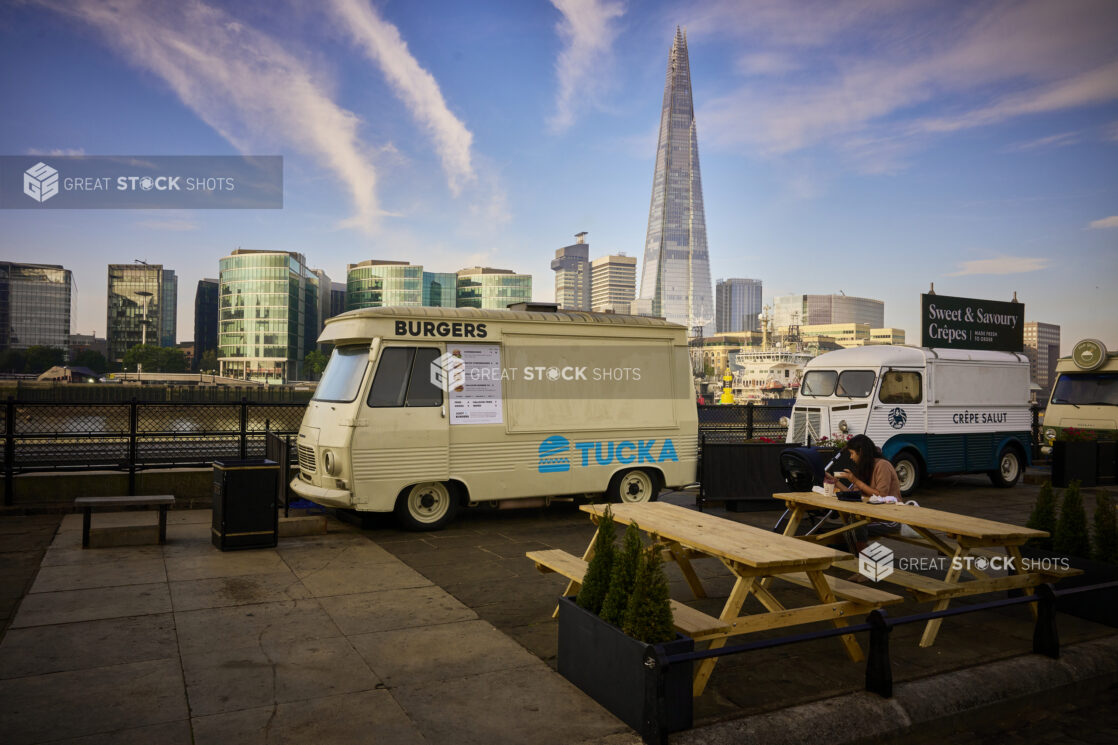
x=535 y=307
x=1089 y=354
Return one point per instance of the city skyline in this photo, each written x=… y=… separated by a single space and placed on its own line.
x=851 y=146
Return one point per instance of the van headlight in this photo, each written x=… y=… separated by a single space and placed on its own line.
x=1050 y=435
x=843 y=427
x=330 y=462
x=783 y=421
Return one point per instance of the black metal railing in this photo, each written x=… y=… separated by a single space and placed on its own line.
x=75 y=436
x=879 y=669
x=734 y=423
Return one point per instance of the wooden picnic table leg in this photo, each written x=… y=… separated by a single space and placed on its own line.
x=679 y=554
x=1015 y=553
x=953 y=572
x=827 y=595
x=587 y=555
x=794 y=520
x=730 y=611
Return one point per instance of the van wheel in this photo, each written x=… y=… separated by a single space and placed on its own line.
x=908 y=472
x=429 y=506
x=635 y=486
x=1009 y=468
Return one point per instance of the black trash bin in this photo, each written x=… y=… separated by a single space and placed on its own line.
x=245 y=513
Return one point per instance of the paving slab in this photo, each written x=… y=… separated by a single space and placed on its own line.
x=62 y=556
x=224 y=679
x=76 y=646
x=167 y=733
x=507 y=707
x=394 y=609
x=429 y=654
x=357 y=579
x=68 y=606
x=365 y=716
x=214 y=563
x=307 y=560
x=124 y=571
x=245 y=625
x=92 y=701
x=239 y=590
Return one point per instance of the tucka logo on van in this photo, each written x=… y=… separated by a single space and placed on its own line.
x=554 y=450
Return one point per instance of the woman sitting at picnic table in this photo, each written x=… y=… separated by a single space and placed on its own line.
x=872 y=475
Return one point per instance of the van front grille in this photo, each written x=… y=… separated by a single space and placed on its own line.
x=805 y=423
x=306 y=459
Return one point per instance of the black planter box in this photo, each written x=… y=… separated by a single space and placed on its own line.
x=1106 y=470
x=741 y=472
x=609 y=667
x=1073 y=461
x=1100 y=606
x=245 y=512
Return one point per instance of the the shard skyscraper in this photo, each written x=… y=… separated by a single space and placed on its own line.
x=675 y=281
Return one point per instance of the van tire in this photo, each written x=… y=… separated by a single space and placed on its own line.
x=1009 y=468
x=634 y=486
x=908 y=472
x=428 y=506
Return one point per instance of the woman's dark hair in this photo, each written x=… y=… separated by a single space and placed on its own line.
x=867 y=452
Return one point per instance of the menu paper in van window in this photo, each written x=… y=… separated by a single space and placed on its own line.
x=478 y=399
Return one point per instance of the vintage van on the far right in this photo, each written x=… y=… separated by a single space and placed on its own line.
x=1085 y=394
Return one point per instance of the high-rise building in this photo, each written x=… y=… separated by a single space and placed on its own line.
x=205 y=319
x=440 y=289
x=675 y=281
x=572 y=275
x=485 y=287
x=169 y=309
x=613 y=283
x=268 y=314
x=337 y=299
x=814 y=310
x=325 y=299
x=1042 y=347
x=135 y=307
x=737 y=304
x=377 y=284
x=35 y=306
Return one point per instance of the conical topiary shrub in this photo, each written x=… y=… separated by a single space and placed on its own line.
x=1071 y=537
x=648 y=618
x=1044 y=516
x=595 y=583
x=626 y=563
x=1106 y=529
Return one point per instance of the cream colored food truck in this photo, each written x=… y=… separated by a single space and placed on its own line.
x=423 y=411
x=1085 y=394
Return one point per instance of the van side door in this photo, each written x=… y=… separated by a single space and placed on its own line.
x=899 y=409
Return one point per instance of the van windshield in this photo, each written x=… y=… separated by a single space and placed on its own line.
x=343 y=374
x=819 y=383
x=1087 y=389
x=855 y=383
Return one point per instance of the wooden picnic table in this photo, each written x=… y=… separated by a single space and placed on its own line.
x=752 y=555
x=970 y=543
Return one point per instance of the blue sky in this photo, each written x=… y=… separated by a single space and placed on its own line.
x=867 y=146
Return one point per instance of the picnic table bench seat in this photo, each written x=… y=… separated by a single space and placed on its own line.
x=847 y=590
x=694 y=623
x=162 y=501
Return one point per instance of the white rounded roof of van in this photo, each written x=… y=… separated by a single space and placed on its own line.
x=905 y=356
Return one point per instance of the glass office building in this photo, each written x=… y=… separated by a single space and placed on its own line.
x=485 y=287
x=572 y=275
x=205 y=319
x=814 y=310
x=613 y=283
x=169 y=314
x=440 y=289
x=377 y=284
x=675 y=281
x=35 y=306
x=268 y=315
x=737 y=305
x=135 y=307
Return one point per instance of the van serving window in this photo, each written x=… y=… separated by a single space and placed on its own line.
x=855 y=383
x=901 y=388
x=819 y=383
x=342 y=378
x=403 y=378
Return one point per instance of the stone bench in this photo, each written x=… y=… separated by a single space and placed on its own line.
x=162 y=501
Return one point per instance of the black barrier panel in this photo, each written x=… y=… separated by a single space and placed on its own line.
x=749 y=471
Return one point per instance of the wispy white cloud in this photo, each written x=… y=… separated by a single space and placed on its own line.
x=1106 y=222
x=1063 y=139
x=172 y=225
x=416 y=87
x=871 y=69
x=1001 y=265
x=254 y=90
x=57 y=151
x=588 y=32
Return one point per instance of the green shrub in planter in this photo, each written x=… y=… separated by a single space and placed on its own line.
x=648 y=617
x=626 y=563
x=1106 y=530
x=1044 y=516
x=595 y=584
x=1071 y=537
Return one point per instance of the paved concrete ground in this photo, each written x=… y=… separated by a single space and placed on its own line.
x=327 y=638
